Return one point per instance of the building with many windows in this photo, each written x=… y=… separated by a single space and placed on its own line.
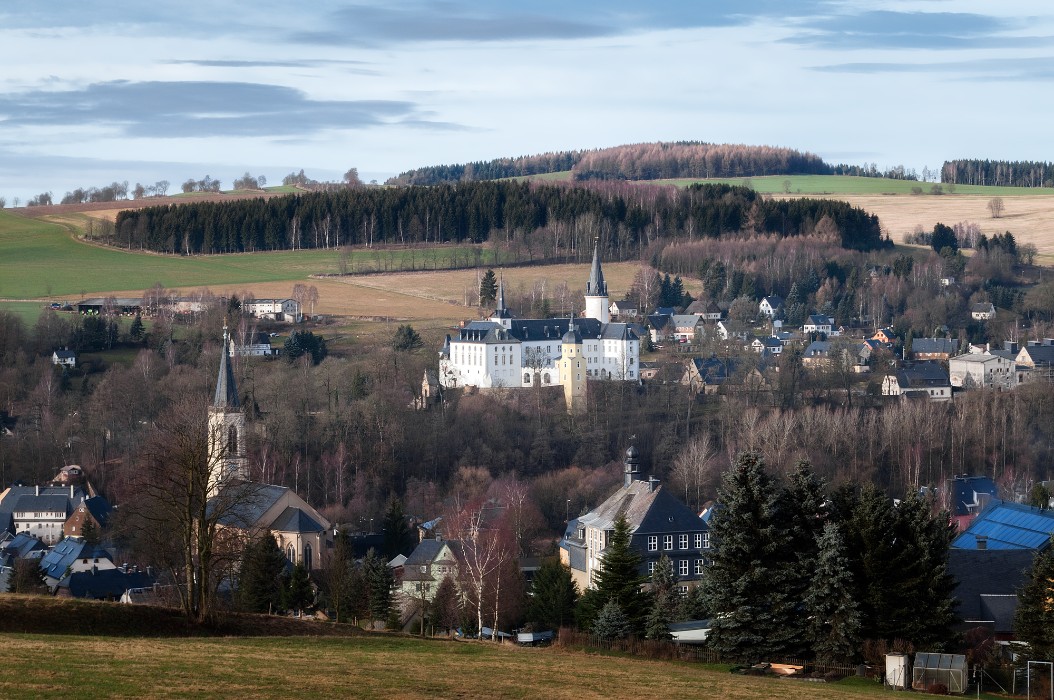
x=659 y=523
x=503 y=351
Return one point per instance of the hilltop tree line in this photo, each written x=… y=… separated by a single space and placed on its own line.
x=496 y=169
x=998 y=173
x=556 y=220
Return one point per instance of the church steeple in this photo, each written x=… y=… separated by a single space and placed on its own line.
x=501 y=313
x=597 y=291
x=227 y=460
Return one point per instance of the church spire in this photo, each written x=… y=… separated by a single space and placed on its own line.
x=501 y=292
x=226 y=390
x=596 y=286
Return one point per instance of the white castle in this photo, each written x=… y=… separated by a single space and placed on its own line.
x=503 y=351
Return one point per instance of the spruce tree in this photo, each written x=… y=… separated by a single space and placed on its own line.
x=488 y=288
x=754 y=616
x=1034 y=619
x=444 y=610
x=398 y=538
x=620 y=579
x=137 y=332
x=693 y=605
x=553 y=596
x=664 y=600
x=804 y=508
x=297 y=593
x=834 y=617
x=260 y=583
x=612 y=622
x=378 y=584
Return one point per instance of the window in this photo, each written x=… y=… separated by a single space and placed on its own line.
x=682 y=567
x=651 y=568
x=682 y=541
x=653 y=543
x=667 y=542
x=698 y=567
x=706 y=541
x=698 y=540
x=683 y=590
x=526 y=377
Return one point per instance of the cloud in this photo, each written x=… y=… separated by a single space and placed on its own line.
x=884 y=29
x=197 y=109
x=292 y=63
x=1027 y=69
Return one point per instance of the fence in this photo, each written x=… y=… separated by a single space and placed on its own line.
x=671 y=651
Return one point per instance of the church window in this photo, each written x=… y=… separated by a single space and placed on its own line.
x=232 y=440
x=290 y=554
x=307 y=557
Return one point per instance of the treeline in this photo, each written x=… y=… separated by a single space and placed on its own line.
x=897 y=172
x=106 y=193
x=553 y=162
x=656 y=161
x=998 y=173
x=557 y=219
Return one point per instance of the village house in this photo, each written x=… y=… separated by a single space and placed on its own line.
x=687 y=327
x=623 y=309
x=287 y=310
x=705 y=309
x=934 y=348
x=733 y=330
x=73 y=555
x=983 y=311
x=886 y=336
x=767 y=346
x=250 y=345
x=64 y=358
x=968 y=496
x=982 y=370
x=426 y=567
x=659 y=524
x=660 y=327
x=771 y=306
x=818 y=323
x=924 y=379
x=1035 y=360
x=95 y=510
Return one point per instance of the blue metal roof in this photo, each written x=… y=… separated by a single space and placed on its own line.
x=1009 y=526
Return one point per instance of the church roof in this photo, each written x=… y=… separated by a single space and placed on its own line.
x=596 y=287
x=247 y=503
x=295 y=520
x=226 y=389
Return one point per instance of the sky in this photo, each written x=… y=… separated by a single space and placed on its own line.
x=107 y=91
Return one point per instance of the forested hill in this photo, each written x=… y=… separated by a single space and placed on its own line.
x=999 y=173
x=546 y=220
x=639 y=161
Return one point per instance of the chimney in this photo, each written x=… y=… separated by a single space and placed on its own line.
x=38 y=489
x=982 y=542
x=653 y=484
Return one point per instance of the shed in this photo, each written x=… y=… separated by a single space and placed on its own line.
x=948 y=670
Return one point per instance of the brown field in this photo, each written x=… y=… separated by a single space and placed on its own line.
x=427 y=299
x=1029 y=218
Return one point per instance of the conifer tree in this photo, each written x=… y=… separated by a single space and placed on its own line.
x=619 y=578
x=137 y=331
x=1034 y=619
x=297 y=593
x=805 y=513
x=754 y=616
x=693 y=605
x=612 y=622
x=263 y=565
x=664 y=600
x=378 y=584
x=398 y=539
x=553 y=596
x=445 y=609
x=488 y=288
x=834 y=618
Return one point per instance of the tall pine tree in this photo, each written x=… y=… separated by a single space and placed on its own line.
x=834 y=618
x=553 y=596
x=618 y=579
x=262 y=569
x=755 y=616
x=1034 y=619
x=664 y=600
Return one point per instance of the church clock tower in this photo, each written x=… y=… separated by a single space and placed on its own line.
x=227 y=461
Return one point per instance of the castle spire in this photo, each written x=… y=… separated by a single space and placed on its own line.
x=596 y=286
x=226 y=390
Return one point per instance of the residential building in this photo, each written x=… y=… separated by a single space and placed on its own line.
x=967 y=496
x=73 y=555
x=886 y=336
x=503 y=351
x=95 y=510
x=984 y=311
x=988 y=582
x=623 y=309
x=1035 y=361
x=33 y=516
x=982 y=370
x=287 y=310
x=64 y=358
x=1006 y=525
x=660 y=327
x=924 y=379
x=771 y=306
x=817 y=354
x=934 y=348
x=767 y=346
x=251 y=345
x=426 y=567
x=729 y=329
x=686 y=327
x=659 y=524
x=818 y=323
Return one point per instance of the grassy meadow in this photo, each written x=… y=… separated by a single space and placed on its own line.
x=368 y=666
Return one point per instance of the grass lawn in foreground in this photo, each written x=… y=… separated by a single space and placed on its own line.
x=369 y=666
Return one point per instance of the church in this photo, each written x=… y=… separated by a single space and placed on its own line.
x=503 y=351
x=302 y=533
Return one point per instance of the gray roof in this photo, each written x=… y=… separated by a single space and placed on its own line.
x=646 y=509
x=1040 y=354
x=42 y=503
x=65 y=354
x=528 y=329
x=923 y=375
x=596 y=287
x=819 y=320
x=226 y=390
x=935 y=345
x=249 y=502
x=983 y=307
x=7 y=505
x=108 y=584
x=818 y=348
x=295 y=520
x=686 y=321
x=988 y=581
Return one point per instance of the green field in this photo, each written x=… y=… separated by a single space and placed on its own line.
x=42 y=259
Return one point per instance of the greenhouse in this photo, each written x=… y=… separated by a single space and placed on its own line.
x=948 y=670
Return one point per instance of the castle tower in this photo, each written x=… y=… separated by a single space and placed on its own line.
x=227 y=461
x=571 y=369
x=597 y=291
x=631 y=465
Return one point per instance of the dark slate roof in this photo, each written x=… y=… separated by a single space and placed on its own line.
x=7 y=505
x=818 y=348
x=596 y=286
x=666 y=310
x=715 y=370
x=65 y=354
x=226 y=389
x=819 y=320
x=667 y=513
x=22 y=544
x=1040 y=354
x=646 y=509
x=967 y=493
x=42 y=503
x=66 y=552
x=109 y=584
x=1009 y=526
x=988 y=581
x=295 y=520
x=935 y=345
x=775 y=301
x=572 y=336
x=923 y=375
x=249 y=502
x=983 y=307
x=659 y=321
